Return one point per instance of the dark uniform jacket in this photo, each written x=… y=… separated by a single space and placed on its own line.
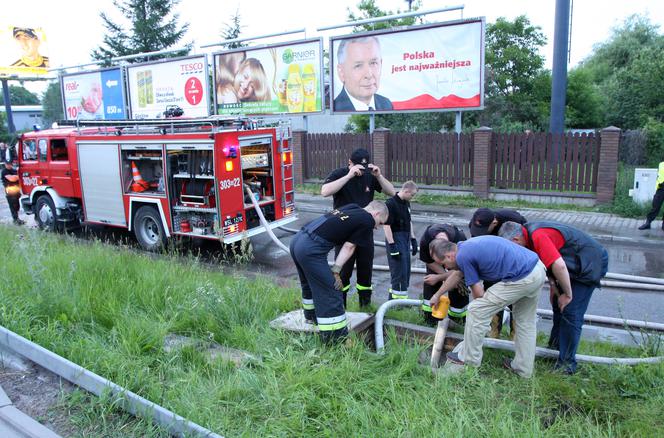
x=582 y=254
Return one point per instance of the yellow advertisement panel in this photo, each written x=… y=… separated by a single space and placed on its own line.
x=23 y=51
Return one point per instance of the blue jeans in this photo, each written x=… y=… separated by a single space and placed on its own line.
x=567 y=325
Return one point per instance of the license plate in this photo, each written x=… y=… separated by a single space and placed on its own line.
x=232 y=221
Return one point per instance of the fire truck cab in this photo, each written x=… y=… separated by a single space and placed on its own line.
x=181 y=177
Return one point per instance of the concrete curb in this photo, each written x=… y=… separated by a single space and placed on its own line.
x=132 y=403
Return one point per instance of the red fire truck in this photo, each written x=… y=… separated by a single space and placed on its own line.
x=176 y=177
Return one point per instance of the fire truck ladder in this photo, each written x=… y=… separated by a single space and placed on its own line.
x=282 y=150
x=162 y=126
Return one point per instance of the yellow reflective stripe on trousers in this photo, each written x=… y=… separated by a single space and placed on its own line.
x=333 y=323
x=360 y=287
x=307 y=304
x=426 y=306
x=346 y=288
x=456 y=312
x=399 y=294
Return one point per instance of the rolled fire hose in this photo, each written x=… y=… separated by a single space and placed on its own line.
x=259 y=212
x=505 y=344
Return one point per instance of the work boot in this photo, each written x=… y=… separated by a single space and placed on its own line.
x=646 y=226
x=365 y=299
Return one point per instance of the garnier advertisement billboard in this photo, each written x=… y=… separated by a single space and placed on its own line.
x=97 y=95
x=275 y=79
x=23 y=50
x=436 y=67
x=164 y=85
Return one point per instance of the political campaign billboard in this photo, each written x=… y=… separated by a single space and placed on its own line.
x=23 y=51
x=433 y=67
x=157 y=88
x=95 y=95
x=276 y=79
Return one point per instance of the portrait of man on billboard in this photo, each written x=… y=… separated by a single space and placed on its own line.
x=359 y=64
x=29 y=42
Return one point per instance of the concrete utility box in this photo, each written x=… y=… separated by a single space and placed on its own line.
x=645 y=185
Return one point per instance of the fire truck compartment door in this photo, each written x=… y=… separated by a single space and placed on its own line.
x=99 y=167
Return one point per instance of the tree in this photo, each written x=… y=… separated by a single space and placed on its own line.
x=52 y=104
x=628 y=70
x=513 y=68
x=21 y=96
x=232 y=31
x=151 y=28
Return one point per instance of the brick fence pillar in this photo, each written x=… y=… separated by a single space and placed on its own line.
x=608 y=164
x=379 y=142
x=481 y=141
x=299 y=147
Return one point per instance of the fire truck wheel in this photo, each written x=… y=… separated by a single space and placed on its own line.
x=45 y=214
x=149 y=230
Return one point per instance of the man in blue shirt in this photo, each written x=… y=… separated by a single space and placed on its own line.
x=518 y=275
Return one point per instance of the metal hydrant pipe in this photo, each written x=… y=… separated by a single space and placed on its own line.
x=380 y=316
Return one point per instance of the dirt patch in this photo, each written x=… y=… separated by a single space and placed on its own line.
x=39 y=393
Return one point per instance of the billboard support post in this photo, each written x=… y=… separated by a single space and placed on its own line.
x=8 y=106
x=457 y=130
x=372 y=123
x=457 y=122
x=305 y=121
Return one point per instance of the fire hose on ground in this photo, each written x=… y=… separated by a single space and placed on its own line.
x=441 y=331
x=497 y=343
x=626 y=323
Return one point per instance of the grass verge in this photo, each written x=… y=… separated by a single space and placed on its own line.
x=109 y=309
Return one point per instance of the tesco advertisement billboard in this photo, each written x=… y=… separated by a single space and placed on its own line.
x=96 y=95
x=156 y=87
x=436 y=67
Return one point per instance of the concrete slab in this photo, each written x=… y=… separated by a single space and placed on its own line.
x=15 y=424
x=9 y=359
x=4 y=400
x=294 y=321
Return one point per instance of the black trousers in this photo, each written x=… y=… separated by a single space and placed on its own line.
x=363 y=258
x=657 y=202
x=458 y=302
x=14 y=206
x=321 y=302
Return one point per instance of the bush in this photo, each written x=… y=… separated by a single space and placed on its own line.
x=632 y=150
x=654 y=130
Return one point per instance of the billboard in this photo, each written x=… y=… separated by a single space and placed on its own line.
x=23 y=51
x=96 y=95
x=157 y=86
x=437 y=67
x=277 y=79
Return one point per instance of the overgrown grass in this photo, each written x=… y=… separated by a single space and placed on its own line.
x=622 y=204
x=109 y=309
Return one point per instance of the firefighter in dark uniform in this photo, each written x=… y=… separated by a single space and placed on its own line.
x=400 y=240
x=349 y=227
x=436 y=274
x=356 y=184
x=12 y=190
x=487 y=221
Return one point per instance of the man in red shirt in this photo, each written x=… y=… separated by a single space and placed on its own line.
x=575 y=264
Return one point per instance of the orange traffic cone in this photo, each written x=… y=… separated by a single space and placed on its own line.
x=138 y=184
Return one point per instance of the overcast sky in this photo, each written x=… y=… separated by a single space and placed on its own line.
x=74 y=28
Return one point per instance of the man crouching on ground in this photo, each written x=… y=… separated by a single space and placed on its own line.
x=519 y=276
